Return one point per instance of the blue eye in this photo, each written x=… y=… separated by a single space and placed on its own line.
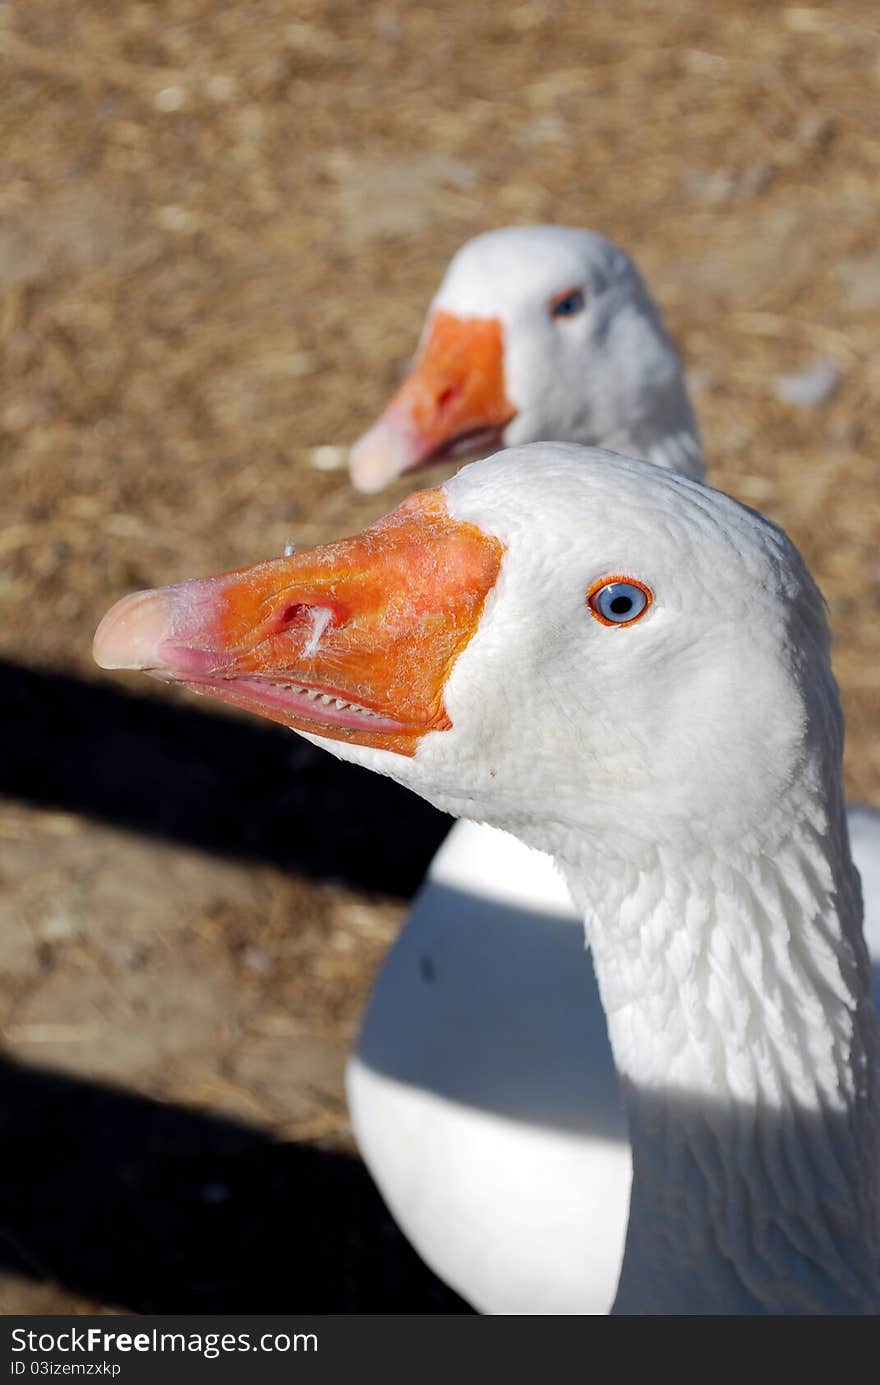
x=618 y=600
x=568 y=304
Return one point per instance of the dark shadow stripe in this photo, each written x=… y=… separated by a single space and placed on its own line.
x=233 y=787
x=161 y=1208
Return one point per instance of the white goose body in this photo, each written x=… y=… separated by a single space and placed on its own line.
x=678 y=753
x=451 y=1142
x=496 y=1132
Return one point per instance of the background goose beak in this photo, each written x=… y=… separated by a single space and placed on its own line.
x=451 y=404
x=353 y=640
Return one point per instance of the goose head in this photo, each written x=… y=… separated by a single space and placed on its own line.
x=561 y=641
x=539 y=332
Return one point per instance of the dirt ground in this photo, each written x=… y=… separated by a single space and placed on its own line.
x=220 y=224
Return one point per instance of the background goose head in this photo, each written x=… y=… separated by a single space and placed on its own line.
x=536 y=332
x=473 y=644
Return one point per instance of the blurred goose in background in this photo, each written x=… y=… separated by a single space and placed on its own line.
x=629 y=671
x=536 y=333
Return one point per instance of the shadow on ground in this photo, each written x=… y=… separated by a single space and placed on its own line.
x=243 y=790
x=159 y=1208
x=156 y=1207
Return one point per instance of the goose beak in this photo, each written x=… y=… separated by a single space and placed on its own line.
x=353 y=640
x=451 y=404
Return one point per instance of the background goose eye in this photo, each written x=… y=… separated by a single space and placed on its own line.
x=567 y=304
x=618 y=600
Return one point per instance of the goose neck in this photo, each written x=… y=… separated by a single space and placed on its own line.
x=737 y=991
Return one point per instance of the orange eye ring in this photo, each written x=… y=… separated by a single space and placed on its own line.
x=602 y=600
x=568 y=303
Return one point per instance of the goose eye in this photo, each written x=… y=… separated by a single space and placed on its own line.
x=618 y=600
x=567 y=304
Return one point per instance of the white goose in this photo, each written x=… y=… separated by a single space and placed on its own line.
x=629 y=671
x=450 y=1125
x=537 y=333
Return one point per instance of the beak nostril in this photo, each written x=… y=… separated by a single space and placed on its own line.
x=296 y=614
x=448 y=396
x=309 y=620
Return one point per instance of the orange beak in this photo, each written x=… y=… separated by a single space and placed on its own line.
x=353 y=640
x=451 y=404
